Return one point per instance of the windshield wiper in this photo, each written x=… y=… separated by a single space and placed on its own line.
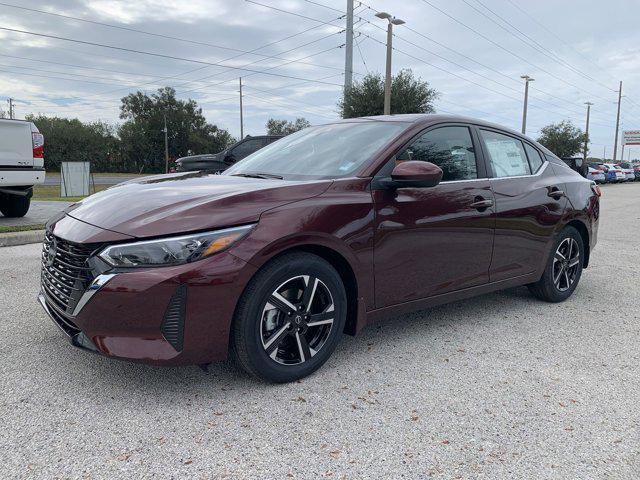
x=258 y=175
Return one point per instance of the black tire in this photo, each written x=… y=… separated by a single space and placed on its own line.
x=14 y=205
x=247 y=342
x=557 y=291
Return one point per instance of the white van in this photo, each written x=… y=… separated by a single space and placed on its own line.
x=21 y=165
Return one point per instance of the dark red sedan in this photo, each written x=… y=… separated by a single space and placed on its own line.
x=316 y=235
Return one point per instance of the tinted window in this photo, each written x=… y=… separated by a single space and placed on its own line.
x=506 y=155
x=450 y=148
x=247 y=147
x=535 y=160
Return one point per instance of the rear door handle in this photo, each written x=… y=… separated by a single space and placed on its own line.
x=481 y=203
x=555 y=192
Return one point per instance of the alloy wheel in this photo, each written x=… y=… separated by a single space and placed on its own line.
x=566 y=264
x=297 y=320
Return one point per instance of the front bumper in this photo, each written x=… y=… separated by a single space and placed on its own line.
x=164 y=316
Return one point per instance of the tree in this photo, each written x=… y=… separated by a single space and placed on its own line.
x=408 y=95
x=142 y=133
x=284 y=127
x=71 y=140
x=564 y=139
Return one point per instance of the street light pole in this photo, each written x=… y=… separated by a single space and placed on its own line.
x=527 y=79
x=586 y=138
x=241 y=114
x=615 y=142
x=166 y=146
x=348 y=58
x=387 y=80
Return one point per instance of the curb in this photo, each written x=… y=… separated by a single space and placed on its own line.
x=21 y=238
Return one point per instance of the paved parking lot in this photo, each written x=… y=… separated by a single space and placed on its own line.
x=501 y=386
x=39 y=212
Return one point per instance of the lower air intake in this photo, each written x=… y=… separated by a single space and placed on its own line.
x=173 y=322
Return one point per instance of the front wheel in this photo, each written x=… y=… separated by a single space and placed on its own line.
x=563 y=270
x=290 y=318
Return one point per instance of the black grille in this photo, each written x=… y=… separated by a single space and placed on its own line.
x=173 y=322
x=65 y=272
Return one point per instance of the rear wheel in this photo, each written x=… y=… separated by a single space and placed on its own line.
x=563 y=270
x=15 y=205
x=290 y=318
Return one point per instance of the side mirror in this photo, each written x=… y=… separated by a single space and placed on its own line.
x=414 y=174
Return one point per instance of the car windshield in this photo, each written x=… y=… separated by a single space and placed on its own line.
x=326 y=151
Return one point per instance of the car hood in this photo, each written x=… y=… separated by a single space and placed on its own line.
x=193 y=201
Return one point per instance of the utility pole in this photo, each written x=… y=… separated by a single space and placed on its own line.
x=348 y=57
x=527 y=79
x=11 y=113
x=241 y=118
x=604 y=154
x=586 y=138
x=166 y=146
x=615 y=142
x=387 y=79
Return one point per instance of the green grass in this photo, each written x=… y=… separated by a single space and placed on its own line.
x=21 y=228
x=52 y=192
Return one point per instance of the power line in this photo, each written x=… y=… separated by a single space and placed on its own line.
x=533 y=43
x=142 y=52
x=501 y=47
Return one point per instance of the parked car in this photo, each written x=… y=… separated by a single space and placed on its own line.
x=604 y=170
x=596 y=175
x=21 y=165
x=316 y=235
x=617 y=169
x=577 y=164
x=627 y=169
x=218 y=162
x=636 y=171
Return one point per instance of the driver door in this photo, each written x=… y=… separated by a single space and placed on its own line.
x=435 y=240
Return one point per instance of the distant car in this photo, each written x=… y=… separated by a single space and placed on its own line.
x=620 y=176
x=636 y=171
x=627 y=169
x=596 y=175
x=219 y=162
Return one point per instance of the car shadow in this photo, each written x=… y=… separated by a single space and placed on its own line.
x=123 y=377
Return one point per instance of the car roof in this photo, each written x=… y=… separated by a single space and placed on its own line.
x=427 y=119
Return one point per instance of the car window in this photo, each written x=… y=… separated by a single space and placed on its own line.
x=451 y=148
x=247 y=147
x=535 y=160
x=506 y=154
x=326 y=151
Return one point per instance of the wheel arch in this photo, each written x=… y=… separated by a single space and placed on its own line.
x=355 y=308
x=584 y=233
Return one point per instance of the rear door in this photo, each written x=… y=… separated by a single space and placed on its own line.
x=16 y=149
x=529 y=202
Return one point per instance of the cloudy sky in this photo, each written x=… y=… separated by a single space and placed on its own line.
x=290 y=54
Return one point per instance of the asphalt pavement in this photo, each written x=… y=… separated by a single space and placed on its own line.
x=502 y=386
x=39 y=212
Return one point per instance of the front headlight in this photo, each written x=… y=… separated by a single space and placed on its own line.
x=173 y=250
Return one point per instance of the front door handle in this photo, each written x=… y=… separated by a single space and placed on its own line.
x=481 y=203
x=556 y=193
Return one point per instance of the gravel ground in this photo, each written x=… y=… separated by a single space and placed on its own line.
x=501 y=386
